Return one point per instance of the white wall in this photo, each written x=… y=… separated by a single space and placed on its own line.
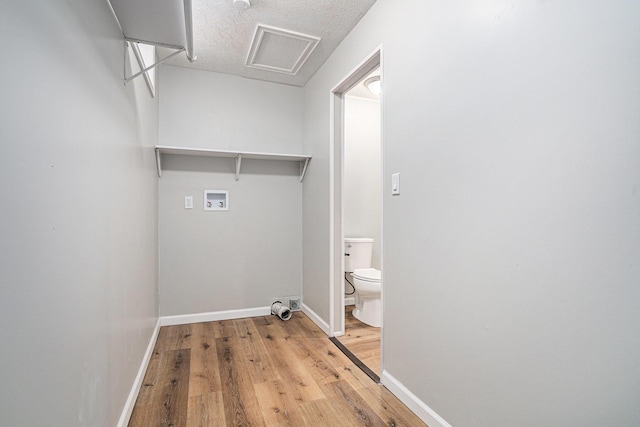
x=362 y=183
x=240 y=258
x=78 y=270
x=517 y=233
x=202 y=109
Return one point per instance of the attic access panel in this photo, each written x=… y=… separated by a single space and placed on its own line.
x=279 y=50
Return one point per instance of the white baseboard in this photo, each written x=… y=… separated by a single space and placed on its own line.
x=421 y=409
x=183 y=319
x=137 y=383
x=349 y=300
x=316 y=319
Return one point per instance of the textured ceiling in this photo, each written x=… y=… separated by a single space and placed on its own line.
x=223 y=34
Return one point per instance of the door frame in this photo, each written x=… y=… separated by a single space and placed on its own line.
x=336 y=173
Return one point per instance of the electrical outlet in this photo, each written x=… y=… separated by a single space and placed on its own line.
x=188 y=202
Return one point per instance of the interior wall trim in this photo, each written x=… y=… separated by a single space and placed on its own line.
x=137 y=383
x=183 y=319
x=421 y=409
x=316 y=319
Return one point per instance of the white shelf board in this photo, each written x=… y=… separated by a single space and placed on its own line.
x=237 y=155
x=166 y=23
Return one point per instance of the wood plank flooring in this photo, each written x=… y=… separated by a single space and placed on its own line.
x=362 y=340
x=259 y=371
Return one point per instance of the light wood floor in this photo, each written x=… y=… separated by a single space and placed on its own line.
x=362 y=340
x=259 y=371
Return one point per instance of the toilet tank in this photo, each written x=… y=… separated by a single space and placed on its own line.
x=357 y=253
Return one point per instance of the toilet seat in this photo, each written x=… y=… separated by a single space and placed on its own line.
x=367 y=274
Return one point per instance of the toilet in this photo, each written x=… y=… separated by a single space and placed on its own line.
x=366 y=280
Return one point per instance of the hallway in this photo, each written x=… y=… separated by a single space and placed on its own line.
x=259 y=372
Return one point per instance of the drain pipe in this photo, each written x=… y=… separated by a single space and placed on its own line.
x=280 y=310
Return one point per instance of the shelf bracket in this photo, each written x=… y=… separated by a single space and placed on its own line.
x=158 y=162
x=141 y=72
x=238 y=163
x=304 y=168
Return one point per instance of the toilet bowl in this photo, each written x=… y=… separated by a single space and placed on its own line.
x=367 y=282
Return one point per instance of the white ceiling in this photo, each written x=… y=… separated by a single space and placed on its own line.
x=223 y=35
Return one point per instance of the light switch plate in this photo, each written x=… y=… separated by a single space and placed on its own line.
x=188 y=202
x=395 y=184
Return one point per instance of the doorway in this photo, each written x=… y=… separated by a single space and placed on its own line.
x=349 y=100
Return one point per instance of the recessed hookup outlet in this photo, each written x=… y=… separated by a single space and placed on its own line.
x=294 y=304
